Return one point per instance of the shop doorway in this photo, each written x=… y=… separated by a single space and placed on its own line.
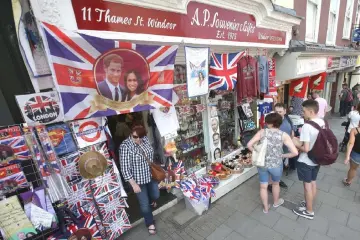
x=120 y=128
x=333 y=96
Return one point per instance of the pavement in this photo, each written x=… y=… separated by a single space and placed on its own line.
x=238 y=215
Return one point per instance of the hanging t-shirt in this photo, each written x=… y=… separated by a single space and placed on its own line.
x=263 y=74
x=166 y=120
x=248 y=83
x=264 y=108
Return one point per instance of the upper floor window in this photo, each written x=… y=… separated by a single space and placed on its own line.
x=357 y=19
x=332 y=22
x=313 y=8
x=348 y=17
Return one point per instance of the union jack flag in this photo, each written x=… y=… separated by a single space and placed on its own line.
x=119 y=225
x=19 y=147
x=223 y=71
x=108 y=205
x=41 y=104
x=73 y=56
x=13 y=182
x=81 y=195
x=69 y=168
x=13 y=138
x=105 y=184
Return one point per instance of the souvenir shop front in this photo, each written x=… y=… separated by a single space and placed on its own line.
x=199 y=76
x=308 y=68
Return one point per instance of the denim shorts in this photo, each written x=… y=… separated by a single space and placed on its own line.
x=307 y=173
x=355 y=157
x=275 y=174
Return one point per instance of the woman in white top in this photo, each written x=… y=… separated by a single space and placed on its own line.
x=354 y=118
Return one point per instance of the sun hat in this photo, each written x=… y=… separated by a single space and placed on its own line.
x=92 y=164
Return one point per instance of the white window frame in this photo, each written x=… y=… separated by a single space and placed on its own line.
x=357 y=18
x=347 y=36
x=317 y=24
x=328 y=42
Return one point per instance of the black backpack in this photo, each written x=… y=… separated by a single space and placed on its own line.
x=325 y=150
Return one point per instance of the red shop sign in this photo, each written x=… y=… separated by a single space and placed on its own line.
x=201 y=21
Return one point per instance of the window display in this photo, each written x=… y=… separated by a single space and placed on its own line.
x=226 y=116
x=190 y=139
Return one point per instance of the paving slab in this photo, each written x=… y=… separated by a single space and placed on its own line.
x=220 y=233
x=343 y=192
x=340 y=232
x=290 y=228
x=319 y=223
x=333 y=214
x=235 y=236
x=184 y=216
x=354 y=222
x=262 y=232
x=268 y=219
x=314 y=235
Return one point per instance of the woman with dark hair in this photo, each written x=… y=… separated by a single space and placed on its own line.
x=135 y=152
x=133 y=84
x=276 y=139
x=217 y=153
x=201 y=78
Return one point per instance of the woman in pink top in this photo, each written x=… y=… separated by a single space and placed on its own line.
x=322 y=104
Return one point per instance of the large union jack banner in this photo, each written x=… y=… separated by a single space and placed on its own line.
x=96 y=77
x=223 y=70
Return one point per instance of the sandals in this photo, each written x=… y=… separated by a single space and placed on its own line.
x=346 y=183
x=152 y=229
x=153 y=204
x=267 y=210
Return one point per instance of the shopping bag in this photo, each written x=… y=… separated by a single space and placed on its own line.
x=259 y=152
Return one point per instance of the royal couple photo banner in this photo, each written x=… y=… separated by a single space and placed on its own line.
x=102 y=77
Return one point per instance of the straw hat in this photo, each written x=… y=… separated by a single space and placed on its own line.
x=92 y=164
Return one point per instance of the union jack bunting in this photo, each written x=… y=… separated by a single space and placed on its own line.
x=73 y=57
x=118 y=226
x=105 y=184
x=108 y=205
x=223 y=70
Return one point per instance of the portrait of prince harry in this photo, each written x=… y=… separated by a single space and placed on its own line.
x=110 y=86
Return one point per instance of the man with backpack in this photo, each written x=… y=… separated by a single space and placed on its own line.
x=346 y=98
x=318 y=146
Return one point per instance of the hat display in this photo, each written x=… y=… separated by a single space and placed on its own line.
x=92 y=164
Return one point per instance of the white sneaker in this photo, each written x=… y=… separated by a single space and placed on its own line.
x=280 y=202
